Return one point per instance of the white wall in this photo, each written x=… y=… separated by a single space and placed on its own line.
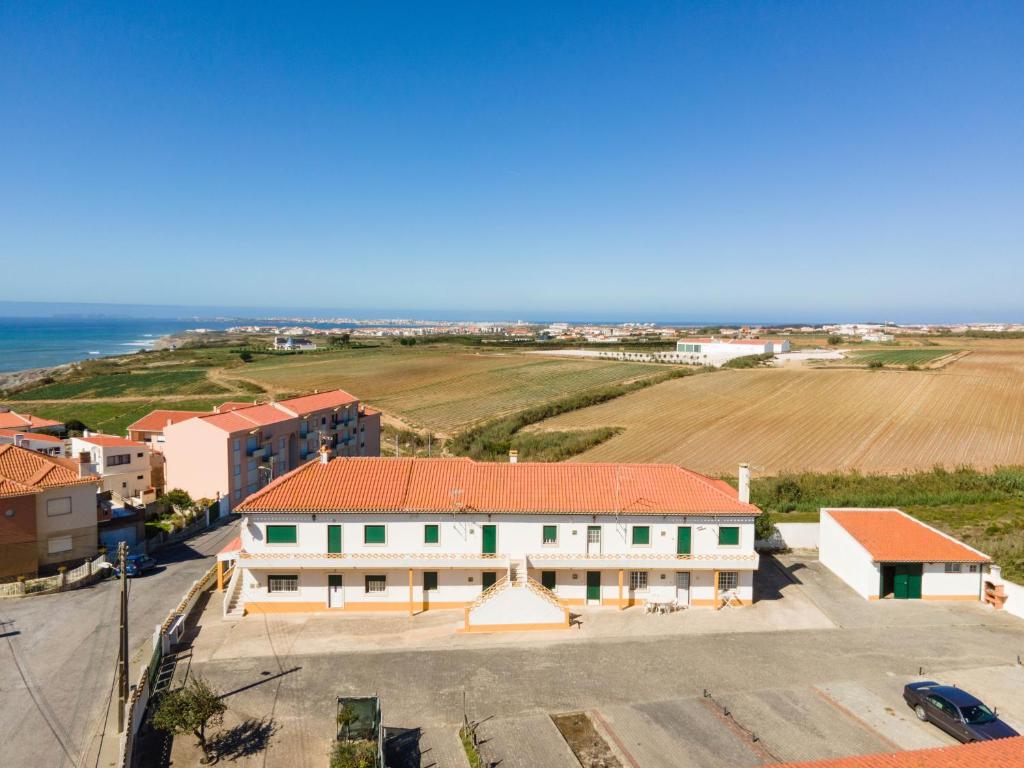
x=846 y=558
x=517 y=605
x=935 y=582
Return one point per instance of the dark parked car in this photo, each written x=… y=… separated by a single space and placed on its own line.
x=136 y=565
x=955 y=711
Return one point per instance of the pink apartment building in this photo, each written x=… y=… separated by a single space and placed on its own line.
x=240 y=447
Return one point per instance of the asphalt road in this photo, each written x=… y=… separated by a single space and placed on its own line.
x=58 y=655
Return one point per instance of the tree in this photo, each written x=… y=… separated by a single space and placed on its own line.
x=835 y=338
x=245 y=356
x=74 y=425
x=764 y=526
x=178 y=499
x=191 y=709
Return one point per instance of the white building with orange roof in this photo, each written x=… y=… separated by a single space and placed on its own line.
x=40 y=442
x=418 y=534
x=240 y=447
x=886 y=553
x=150 y=428
x=26 y=422
x=124 y=465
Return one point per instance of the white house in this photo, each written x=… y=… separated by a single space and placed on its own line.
x=716 y=352
x=40 y=442
x=886 y=553
x=293 y=343
x=123 y=465
x=371 y=534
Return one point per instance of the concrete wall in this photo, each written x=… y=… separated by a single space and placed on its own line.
x=18 y=552
x=937 y=584
x=799 y=535
x=197 y=458
x=1014 y=599
x=77 y=527
x=846 y=558
x=519 y=606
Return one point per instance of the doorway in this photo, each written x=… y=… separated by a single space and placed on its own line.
x=335 y=591
x=593 y=587
x=902 y=581
x=683 y=587
x=593 y=539
x=488 y=580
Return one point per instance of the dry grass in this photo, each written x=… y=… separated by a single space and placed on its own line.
x=799 y=419
x=443 y=388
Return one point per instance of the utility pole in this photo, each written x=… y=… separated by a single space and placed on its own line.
x=122 y=656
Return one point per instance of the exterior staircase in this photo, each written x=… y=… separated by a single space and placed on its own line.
x=234 y=606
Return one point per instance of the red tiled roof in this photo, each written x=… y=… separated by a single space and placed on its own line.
x=111 y=441
x=40 y=436
x=234 y=545
x=247 y=418
x=891 y=536
x=232 y=406
x=318 y=401
x=756 y=342
x=447 y=485
x=1001 y=753
x=155 y=421
x=20 y=467
x=12 y=420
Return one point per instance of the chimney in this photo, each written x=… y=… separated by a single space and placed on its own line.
x=513 y=456
x=19 y=440
x=744 y=491
x=324 y=454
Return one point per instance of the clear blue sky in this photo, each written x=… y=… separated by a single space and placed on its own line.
x=670 y=160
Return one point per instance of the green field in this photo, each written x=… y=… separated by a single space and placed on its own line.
x=128 y=384
x=900 y=356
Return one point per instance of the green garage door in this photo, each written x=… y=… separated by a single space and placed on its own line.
x=907 y=581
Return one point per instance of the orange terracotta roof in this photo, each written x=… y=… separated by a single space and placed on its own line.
x=22 y=467
x=890 y=536
x=12 y=420
x=235 y=545
x=155 y=421
x=368 y=411
x=318 y=401
x=247 y=418
x=232 y=406
x=111 y=441
x=447 y=485
x=756 y=342
x=1001 y=753
x=40 y=436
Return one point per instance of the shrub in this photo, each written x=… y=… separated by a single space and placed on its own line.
x=358 y=753
x=749 y=361
x=245 y=356
x=177 y=498
x=876 y=364
x=834 y=339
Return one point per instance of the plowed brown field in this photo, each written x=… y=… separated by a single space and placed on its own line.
x=806 y=419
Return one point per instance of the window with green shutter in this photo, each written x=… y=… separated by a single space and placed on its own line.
x=641 y=535
x=282 y=534
x=334 y=538
x=550 y=534
x=373 y=534
x=431 y=534
x=728 y=536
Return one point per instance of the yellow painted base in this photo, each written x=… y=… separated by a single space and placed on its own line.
x=375 y=607
x=514 y=628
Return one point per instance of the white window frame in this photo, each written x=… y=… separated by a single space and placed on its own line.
x=725 y=588
x=639 y=581
x=282 y=578
x=544 y=543
x=953 y=568
x=381 y=578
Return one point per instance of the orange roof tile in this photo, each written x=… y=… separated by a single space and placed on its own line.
x=111 y=441
x=12 y=420
x=22 y=467
x=318 y=401
x=1001 y=753
x=445 y=485
x=247 y=418
x=891 y=536
x=232 y=406
x=155 y=421
x=40 y=436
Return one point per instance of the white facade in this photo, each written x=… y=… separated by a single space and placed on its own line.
x=625 y=559
x=846 y=558
x=123 y=465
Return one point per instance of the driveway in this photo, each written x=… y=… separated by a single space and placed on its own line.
x=58 y=655
x=667 y=698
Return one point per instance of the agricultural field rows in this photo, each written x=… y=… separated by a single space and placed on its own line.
x=970 y=413
x=444 y=389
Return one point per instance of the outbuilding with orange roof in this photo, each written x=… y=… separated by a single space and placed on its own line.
x=886 y=553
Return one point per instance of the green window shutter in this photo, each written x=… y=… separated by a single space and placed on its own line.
x=431 y=534
x=728 y=535
x=683 y=540
x=282 y=534
x=547 y=579
x=641 y=534
x=373 y=534
x=334 y=538
x=550 y=534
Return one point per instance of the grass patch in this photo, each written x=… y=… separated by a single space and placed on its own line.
x=559 y=446
x=126 y=384
x=908 y=357
x=492 y=440
x=472 y=755
x=749 y=361
x=114 y=417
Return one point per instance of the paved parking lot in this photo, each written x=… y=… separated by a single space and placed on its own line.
x=829 y=686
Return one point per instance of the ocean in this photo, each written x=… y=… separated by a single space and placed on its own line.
x=34 y=342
